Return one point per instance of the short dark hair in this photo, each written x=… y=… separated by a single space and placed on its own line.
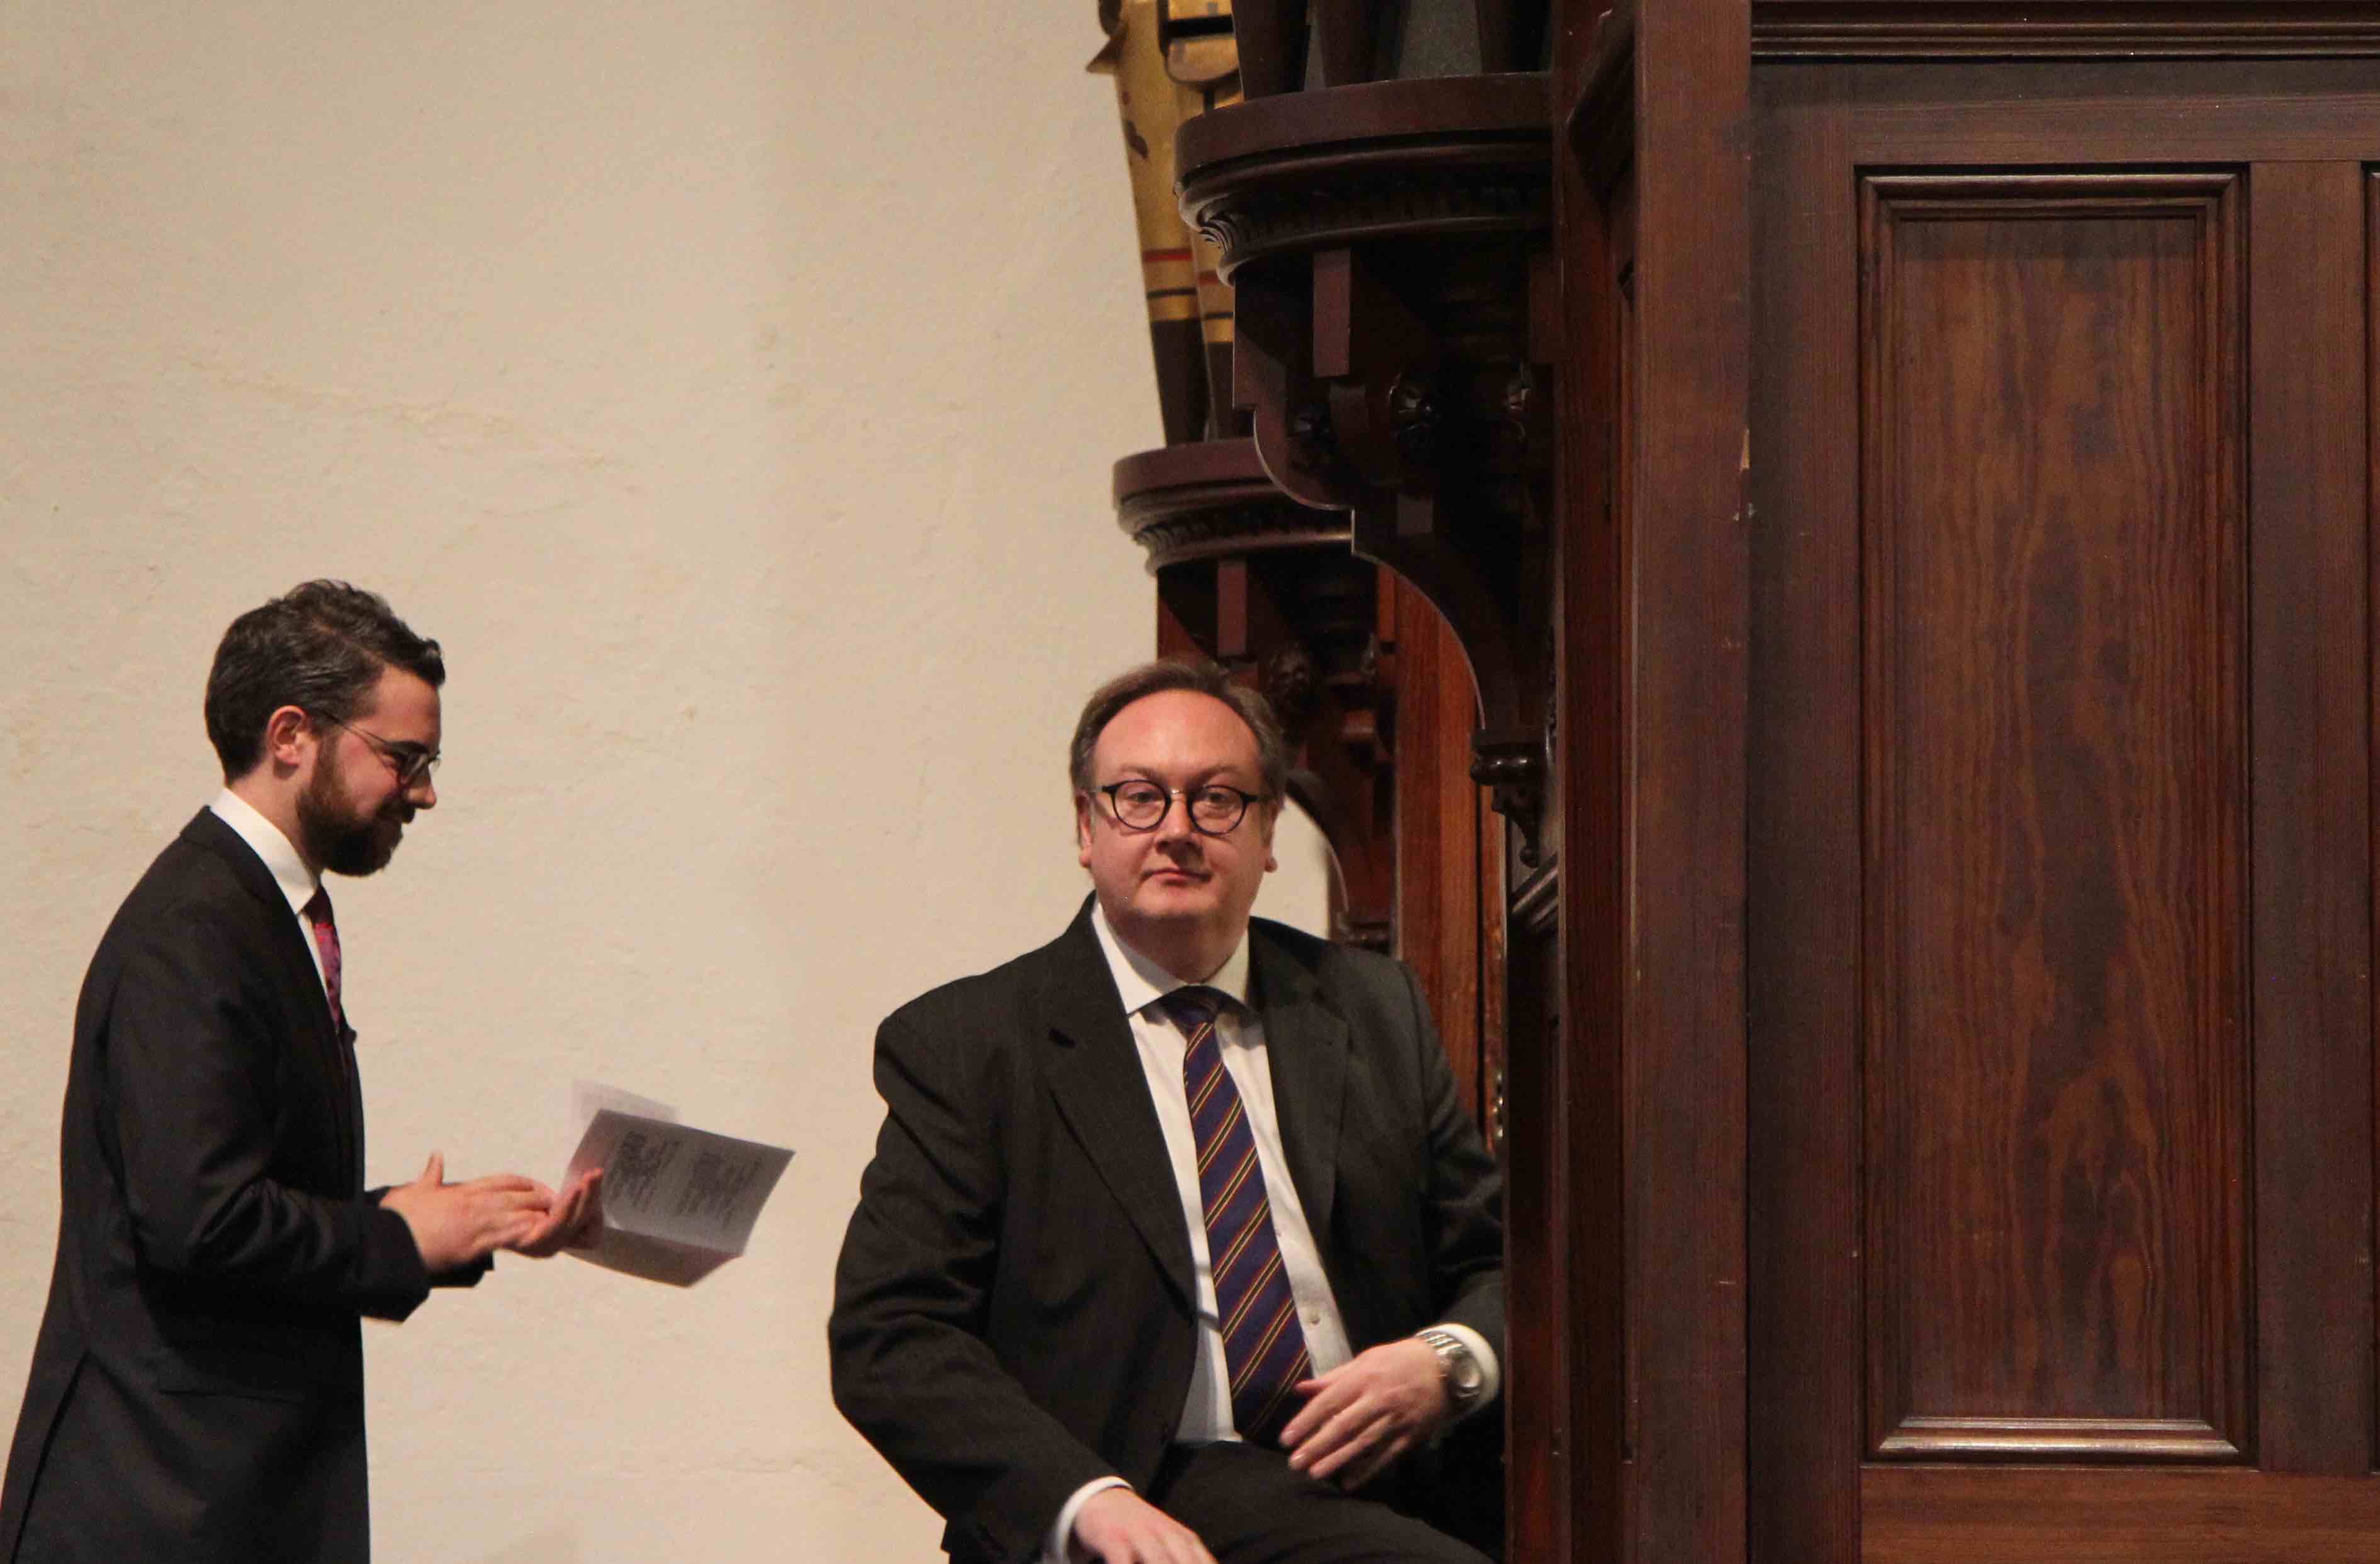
x=1200 y=675
x=321 y=647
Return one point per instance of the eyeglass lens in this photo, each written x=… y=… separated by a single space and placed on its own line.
x=1141 y=805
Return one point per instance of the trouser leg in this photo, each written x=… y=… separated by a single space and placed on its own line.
x=1250 y=1508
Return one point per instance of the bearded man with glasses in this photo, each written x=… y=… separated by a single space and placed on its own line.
x=1177 y=1246
x=197 y=1387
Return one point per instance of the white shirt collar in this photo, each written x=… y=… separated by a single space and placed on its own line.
x=289 y=871
x=1143 y=982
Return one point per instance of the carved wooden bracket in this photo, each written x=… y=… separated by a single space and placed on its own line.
x=1513 y=768
x=1388 y=244
x=1269 y=588
x=1213 y=499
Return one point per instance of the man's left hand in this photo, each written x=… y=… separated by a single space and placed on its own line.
x=574 y=1222
x=1366 y=1413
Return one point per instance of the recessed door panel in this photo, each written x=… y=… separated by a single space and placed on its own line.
x=2056 y=905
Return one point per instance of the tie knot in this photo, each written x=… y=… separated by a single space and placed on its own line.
x=1193 y=1005
x=318 y=907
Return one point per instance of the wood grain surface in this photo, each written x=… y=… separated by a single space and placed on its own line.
x=2055 y=893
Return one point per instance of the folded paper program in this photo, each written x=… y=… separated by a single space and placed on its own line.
x=678 y=1202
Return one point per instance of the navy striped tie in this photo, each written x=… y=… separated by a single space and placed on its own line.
x=1264 y=1348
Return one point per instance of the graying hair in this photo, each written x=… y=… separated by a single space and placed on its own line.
x=1200 y=676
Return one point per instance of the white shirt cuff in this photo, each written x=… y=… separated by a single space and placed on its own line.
x=1491 y=1373
x=1053 y=1550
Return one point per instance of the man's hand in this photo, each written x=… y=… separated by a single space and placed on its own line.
x=1118 y=1526
x=1366 y=1413
x=456 y=1224
x=574 y=1221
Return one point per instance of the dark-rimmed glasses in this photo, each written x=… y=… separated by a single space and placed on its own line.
x=410 y=762
x=1215 y=809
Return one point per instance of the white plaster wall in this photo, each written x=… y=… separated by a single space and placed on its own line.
x=730 y=386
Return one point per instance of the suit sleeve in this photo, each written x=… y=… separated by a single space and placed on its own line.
x=189 y=1075
x=911 y=1369
x=1464 y=1205
x=468 y=1274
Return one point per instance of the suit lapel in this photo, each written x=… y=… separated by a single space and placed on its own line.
x=1096 y=1077
x=1306 y=1043
x=298 y=979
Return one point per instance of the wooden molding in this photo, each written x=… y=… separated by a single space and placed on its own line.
x=1213 y=499
x=2063 y=29
x=1929 y=1514
x=2057 y=1439
x=1389 y=160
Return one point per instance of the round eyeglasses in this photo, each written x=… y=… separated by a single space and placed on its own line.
x=410 y=762
x=1214 y=809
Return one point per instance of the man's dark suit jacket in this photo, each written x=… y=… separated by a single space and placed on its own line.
x=197 y=1389
x=1014 y=1314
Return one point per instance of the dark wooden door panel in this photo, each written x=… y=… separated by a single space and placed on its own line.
x=2061 y=1133
x=2056 y=902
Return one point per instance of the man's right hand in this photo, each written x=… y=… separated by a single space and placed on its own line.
x=456 y=1224
x=1118 y=1526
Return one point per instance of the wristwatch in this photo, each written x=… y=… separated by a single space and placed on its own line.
x=1457 y=1368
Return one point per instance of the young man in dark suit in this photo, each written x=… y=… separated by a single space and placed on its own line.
x=1176 y=1236
x=197 y=1387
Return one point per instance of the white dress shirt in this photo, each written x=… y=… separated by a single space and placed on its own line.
x=1239 y=1035
x=289 y=871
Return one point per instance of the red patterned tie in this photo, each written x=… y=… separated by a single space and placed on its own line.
x=326 y=943
x=1264 y=1347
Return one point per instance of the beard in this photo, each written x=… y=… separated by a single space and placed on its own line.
x=340 y=838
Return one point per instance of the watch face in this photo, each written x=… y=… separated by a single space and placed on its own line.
x=1463 y=1374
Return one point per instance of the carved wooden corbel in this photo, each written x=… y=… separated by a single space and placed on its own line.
x=1269 y=589
x=1388 y=247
